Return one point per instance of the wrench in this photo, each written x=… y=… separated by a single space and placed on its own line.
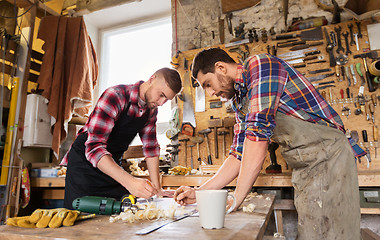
x=345 y=35
x=338 y=31
x=359 y=30
x=352 y=42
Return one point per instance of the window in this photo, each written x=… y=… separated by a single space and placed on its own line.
x=134 y=53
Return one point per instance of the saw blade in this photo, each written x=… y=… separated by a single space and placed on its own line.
x=159 y=225
x=293 y=54
x=301 y=60
x=188 y=109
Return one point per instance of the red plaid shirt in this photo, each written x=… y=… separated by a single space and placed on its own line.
x=102 y=120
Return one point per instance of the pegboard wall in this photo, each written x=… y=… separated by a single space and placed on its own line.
x=336 y=95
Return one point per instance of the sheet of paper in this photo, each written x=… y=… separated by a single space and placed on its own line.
x=374 y=36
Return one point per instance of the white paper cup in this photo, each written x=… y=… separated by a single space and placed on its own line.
x=212 y=207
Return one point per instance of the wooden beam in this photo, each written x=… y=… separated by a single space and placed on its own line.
x=367 y=234
x=42 y=9
x=95 y=5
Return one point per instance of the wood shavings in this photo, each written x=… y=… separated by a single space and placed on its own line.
x=250 y=196
x=147 y=212
x=179 y=170
x=136 y=170
x=61 y=171
x=277 y=235
x=249 y=208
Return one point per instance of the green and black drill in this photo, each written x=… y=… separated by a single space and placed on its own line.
x=103 y=205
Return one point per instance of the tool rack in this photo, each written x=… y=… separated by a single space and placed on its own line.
x=332 y=95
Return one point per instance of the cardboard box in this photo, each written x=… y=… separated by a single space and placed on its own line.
x=44 y=172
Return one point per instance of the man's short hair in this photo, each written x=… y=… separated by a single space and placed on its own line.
x=205 y=60
x=172 y=78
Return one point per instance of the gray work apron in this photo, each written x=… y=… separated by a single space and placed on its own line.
x=326 y=191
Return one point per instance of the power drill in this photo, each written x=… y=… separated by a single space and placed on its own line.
x=103 y=205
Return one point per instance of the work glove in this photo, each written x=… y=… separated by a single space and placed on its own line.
x=41 y=218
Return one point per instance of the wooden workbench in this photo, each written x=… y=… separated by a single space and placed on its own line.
x=238 y=225
x=366 y=179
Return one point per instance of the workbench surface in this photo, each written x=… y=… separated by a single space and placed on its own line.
x=238 y=225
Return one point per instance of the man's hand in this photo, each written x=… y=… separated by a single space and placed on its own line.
x=184 y=195
x=142 y=188
x=165 y=193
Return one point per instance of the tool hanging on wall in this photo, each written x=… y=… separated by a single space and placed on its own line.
x=205 y=133
x=274 y=167
x=198 y=140
x=185 y=140
x=175 y=60
x=329 y=48
x=215 y=123
x=372 y=55
x=223 y=134
x=188 y=119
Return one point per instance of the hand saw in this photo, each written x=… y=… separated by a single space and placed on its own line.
x=188 y=119
x=159 y=225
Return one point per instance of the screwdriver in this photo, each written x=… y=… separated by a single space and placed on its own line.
x=365 y=140
x=374 y=99
x=375 y=137
x=360 y=73
x=367 y=111
x=372 y=110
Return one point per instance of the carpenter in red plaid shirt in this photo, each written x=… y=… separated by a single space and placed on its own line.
x=123 y=111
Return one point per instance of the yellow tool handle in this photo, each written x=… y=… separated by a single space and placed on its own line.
x=367 y=111
x=375 y=133
x=129 y=198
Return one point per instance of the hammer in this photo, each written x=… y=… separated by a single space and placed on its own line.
x=229 y=122
x=185 y=140
x=223 y=133
x=198 y=140
x=215 y=123
x=191 y=156
x=372 y=55
x=205 y=132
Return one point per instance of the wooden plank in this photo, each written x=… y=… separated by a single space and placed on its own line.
x=35 y=66
x=367 y=234
x=10 y=57
x=7 y=68
x=96 y=5
x=284 y=204
x=263 y=180
x=33 y=77
x=37 y=55
x=53 y=194
x=369 y=178
x=238 y=225
x=47 y=182
x=42 y=9
x=370 y=210
x=230 y=6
